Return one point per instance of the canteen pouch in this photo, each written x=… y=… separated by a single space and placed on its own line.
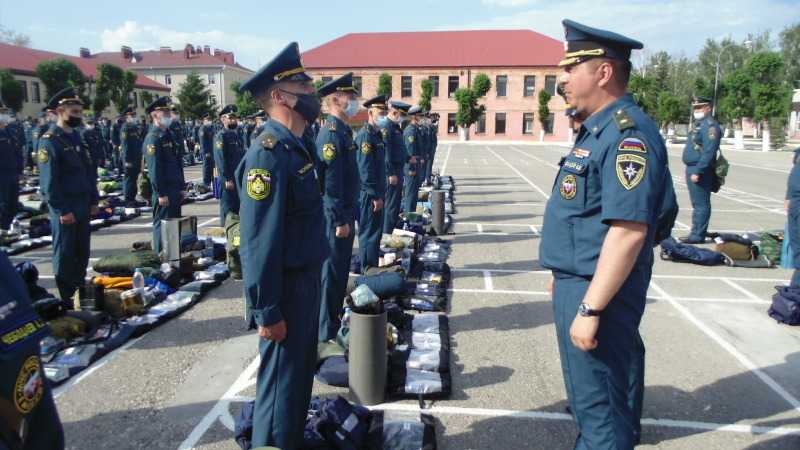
x=721 y=166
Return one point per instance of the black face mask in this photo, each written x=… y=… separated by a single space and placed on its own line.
x=73 y=122
x=231 y=126
x=119 y=122
x=306 y=105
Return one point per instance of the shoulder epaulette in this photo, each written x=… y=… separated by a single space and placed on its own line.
x=47 y=134
x=269 y=140
x=623 y=120
x=154 y=134
x=331 y=125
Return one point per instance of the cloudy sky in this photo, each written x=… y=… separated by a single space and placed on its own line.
x=255 y=33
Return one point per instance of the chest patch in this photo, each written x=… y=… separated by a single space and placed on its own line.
x=630 y=170
x=568 y=187
x=384 y=132
x=258 y=183
x=632 y=144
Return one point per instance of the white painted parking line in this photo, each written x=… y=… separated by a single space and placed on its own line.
x=487 y=280
x=535 y=158
x=446 y=159
x=744 y=291
x=479 y=227
x=535 y=231
x=518 y=173
x=730 y=349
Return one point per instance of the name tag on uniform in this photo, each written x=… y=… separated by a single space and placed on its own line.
x=574 y=166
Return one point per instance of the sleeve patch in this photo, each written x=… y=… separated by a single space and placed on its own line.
x=151 y=149
x=632 y=144
x=124 y=135
x=219 y=145
x=44 y=156
x=329 y=151
x=630 y=170
x=385 y=133
x=411 y=139
x=258 y=183
x=712 y=133
x=366 y=148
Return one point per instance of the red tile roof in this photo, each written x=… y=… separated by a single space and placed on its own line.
x=168 y=58
x=24 y=60
x=484 y=48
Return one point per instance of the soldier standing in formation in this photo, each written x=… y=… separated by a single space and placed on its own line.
x=91 y=136
x=205 y=136
x=131 y=150
x=396 y=158
x=10 y=170
x=371 y=159
x=228 y=151
x=411 y=137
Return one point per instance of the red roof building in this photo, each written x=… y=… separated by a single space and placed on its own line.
x=520 y=63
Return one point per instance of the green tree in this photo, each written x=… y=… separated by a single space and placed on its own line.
x=318 y=84
x=544 y=111
x=641 y=88
x=790 y=51
x=58 y=74
x=194 y=98
x=11 y=89
x=770 y=91
x=669 y=110
x=146 y=97
x=245 y=102
x=737 y=103
x=469 y=111
x=113 y=84
x=385 y=84
x=425 y=98
x=11 y=37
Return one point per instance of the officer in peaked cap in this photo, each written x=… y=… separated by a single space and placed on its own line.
x=205 y=137
x=164 y=167
x=69 y=186
x=337 y=150
x=176 y=128
x=94 y=141
x=413 y=140
x=424 y=148
x=10 y=170
x=371 y=156
x=396 y=158
x=602 y=218
x=699 y=156
x=248 y=125
x=261 y=120
x=283 y=247
x=228 y=152
x=131 y=151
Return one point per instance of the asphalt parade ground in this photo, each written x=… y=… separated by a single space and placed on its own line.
x=720 y=373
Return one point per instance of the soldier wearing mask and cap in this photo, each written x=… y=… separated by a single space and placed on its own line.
x=414 y=147
x=371 y=156
x=396 y=157
x=228 y=151
x=283 y=247
x=69 y=185
x=131 y=149
x=94 y=141
x=205 y=137
x=10 y=170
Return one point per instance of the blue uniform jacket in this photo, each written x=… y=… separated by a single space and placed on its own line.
x=65 y=169
x=616 y=171
x=206 y=138
x=94 y=142
x=396 y=154
x=371 y=159
x=115 y=133
x=130 y=144
x=178 y=136
x=412 y=141
x=337 y=152
x=164 y=161
x=282 y=225
x=701 y=148
x=10 y=154
x=38 y=131
x=227 y=154
x=793 y=188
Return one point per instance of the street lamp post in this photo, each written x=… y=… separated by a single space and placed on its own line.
x=716 y=78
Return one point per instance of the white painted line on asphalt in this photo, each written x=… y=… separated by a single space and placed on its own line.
x=541 y=272
x=484 y=291
x=494 y=233
x=708 y=426
x=744 y=291
x=683 y=225
x=535 y=231
x=676 y=277
x=462 y=204
x=730 y=349
x=760 y=168
x=649 y=297
x=479 y=227
x=207 y=222
x=518 y=173
x=487 y=280
x=498 y=224
x=537 y=159
x=446 y=158
x=462 y=186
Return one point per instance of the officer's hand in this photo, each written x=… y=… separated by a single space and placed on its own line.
x=208 y=155
x=67 y=219
x=695 y=178
x=393 y=180
x=163 y=201
x=183 y=195
x=413 y=160
x=377 y=205
x=583 y=330
x=129 y=165
x=94 y=210
x=229 y=184
x=343 y=231
x=787 y=203
x=550 y=285
x=275 y=332
x=412 y=173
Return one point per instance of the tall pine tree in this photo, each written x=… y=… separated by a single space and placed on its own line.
x=194 y=98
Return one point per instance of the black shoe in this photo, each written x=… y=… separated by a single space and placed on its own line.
x=690 y=240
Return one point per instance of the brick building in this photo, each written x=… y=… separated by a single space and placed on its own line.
x=519 y=63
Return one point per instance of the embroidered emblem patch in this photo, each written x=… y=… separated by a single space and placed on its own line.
x=36 y=135
x=569 y=187
x=632 y=144
x=29 y=387
x=258 y=184
x=329 y=152
x=581 y=153
x=630 y=170
x=333 y=126
x=151 y=149
x=44 y=156
x=219 y=145
x=411 y=139
x=305 y=168
x=712 y=133
x=384 y=132
x=124 y=135
x=366 y=148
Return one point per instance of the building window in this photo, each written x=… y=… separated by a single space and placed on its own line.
x=37 y=98
x=212 y=99
x=550 y=84
x=548 y=129
x=527 y=123
x=480 y=125
x=405 y=86
x=24 y=91
x=500 y=123
x=452 y=85
x=502 y=85
x=167 y=79
x=451 y=124
x=135 y=99
x=212 y=79
x=435 y=83
x=326 y=80
x=530 y=85
x=357 y=84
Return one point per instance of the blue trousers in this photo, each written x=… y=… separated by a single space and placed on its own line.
x=71 y=245
x=605 y=386
x=794 y=238
x=208 y=169
x=700 y=194
x=173 y=211
x=129 y=187
x=391 y=205
x=9 y=198
x=369 y=233
x=411 y=192
x=228 y=202
x=286 y=371
x=335 y=273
